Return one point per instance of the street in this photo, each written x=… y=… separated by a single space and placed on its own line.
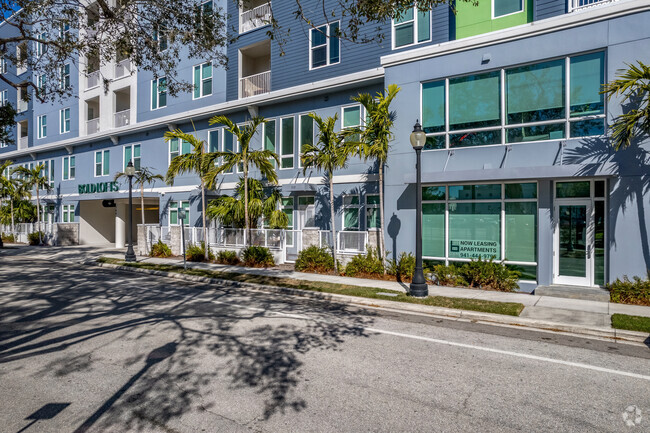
x=85 y=349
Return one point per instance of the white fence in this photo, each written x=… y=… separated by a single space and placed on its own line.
x=255 y=84
x=254 y=18
x=52 y=233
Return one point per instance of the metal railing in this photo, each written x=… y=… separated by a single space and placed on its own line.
x=255 y=84
x=122 y=68
x=22 y=105
x=581 y=4
x=254 y=18
x=23 y=142
x=122 y=118
x=92 y=126
x=92 y=80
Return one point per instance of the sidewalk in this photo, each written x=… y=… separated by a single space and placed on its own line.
x=545 y=311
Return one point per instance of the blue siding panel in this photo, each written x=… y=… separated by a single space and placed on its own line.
x=548 y=8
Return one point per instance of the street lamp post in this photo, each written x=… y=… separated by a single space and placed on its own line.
x=130 y=172
x=418 y=286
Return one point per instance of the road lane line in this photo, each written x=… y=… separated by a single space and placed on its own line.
x=509 y=353
x=455 y=344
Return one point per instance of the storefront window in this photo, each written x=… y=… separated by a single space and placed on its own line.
x=521 y=231
x=433 y=229
x=475 y=230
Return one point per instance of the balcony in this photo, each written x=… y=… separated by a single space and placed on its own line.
x=122 y=68
x=255 y=84
x=582 y=4
x=92 y=126
x=92 y=80
x=122 y=118
x=23 y=142
x=22 y=105
x=254 y=15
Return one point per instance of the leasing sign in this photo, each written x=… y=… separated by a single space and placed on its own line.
x=473 y=249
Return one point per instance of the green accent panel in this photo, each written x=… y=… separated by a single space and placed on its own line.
x=433 y=106
x=475 y=20
x=521 y=231
x=587 y=77
x=433 y=229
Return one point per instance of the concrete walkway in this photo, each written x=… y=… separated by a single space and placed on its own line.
x=592 y=314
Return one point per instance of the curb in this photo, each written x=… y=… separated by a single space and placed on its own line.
x=401 y=307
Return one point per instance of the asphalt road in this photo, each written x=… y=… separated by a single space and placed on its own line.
x=84 y=349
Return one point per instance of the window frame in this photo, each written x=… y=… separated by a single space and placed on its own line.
x=71 y=166
x=416 y=11
x=291 y=155
x=345 y=207
x=202 y=79
x=68 y=213
x=327 y=44
x=158 y=93
x=63 y=120
x=179 y=203
x=522 y=4
x=64 y=77
x=104 y=164
x=41 y=126
x=504 y=127
x=137 y=166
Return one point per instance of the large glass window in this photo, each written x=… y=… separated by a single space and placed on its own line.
x=466 y=111
x=203 y=80
x=158 y=93
x=325 y=45
x=42 y=126
x=64 y=120
x=286 y=142
x=69 y=170
x=465 y=222
x=132 y=153
x=413 y=27
x=102 y=167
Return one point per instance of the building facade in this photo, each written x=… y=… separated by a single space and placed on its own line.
x=517 y=164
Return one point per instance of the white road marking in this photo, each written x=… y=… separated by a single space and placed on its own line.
x=455 y=344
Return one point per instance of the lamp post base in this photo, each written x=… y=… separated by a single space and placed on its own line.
x=419 y=290
x=130 y=255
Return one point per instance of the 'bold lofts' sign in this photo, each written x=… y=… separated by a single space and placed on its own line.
x=92 y=188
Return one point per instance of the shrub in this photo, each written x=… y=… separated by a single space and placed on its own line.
x=33 y=238
x=256 y=256
x=314 y=259
x=160 y=249
x=228 y=258
x=490 y=275
x=8 y=237
x=482 y=274
x=196 y=253
x=625 y=291
x=368 y=264
x=403 y=268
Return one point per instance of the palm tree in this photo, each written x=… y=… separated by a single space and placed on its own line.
x=634 y=85
x=197 y=161
x=142 y=177
x=374 y=139
x=262 y=202
x=244 y=159
x=35 y=178
x=14 y=190
x=327 y=155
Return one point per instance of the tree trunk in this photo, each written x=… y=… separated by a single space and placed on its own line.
x=248 y=231
x=206 y=245
x=38 y=215
x=332 y=222
x=382 y=244
x=146 y=250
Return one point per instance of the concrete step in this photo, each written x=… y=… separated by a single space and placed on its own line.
x=574 y=292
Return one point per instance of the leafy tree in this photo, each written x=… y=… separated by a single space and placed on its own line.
x=197 y=162
x=35 y=178
x=375 y=137
x=14 y=190
x=142 y=177
x=244 y=159
x=633 y=85
x=262 y=202
x=326 y=155
x=20 y=211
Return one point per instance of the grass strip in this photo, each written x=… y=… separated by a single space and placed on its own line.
x=506 y=308
x=631 y=323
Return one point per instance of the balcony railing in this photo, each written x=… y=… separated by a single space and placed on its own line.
x=255 y=84
x=122 y=118
x=581 y=4
x=254 y=18
x=92 y=80
x=22 y=105
x=23 y=142
x=122 y=68
x=92 y=126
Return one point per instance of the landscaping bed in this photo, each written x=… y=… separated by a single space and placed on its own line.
x=505 y=308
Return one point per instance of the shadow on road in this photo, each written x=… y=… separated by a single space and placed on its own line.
x=216 y=337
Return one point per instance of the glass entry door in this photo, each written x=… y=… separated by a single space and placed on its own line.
x=574 y=240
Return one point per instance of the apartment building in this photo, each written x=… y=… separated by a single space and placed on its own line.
x=517 y=165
